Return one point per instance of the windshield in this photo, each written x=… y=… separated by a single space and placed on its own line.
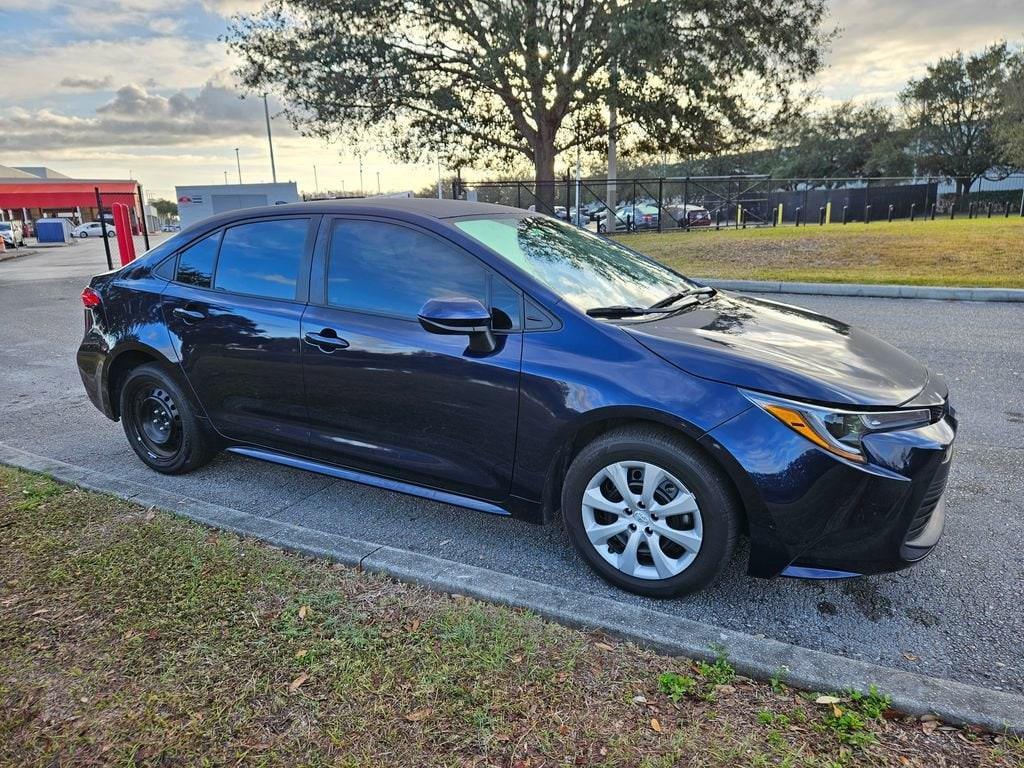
x=586 y=270
x=4 y=225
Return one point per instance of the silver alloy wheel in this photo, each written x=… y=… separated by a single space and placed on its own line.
x=642 y=520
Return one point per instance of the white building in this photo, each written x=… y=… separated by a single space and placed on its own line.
x=195 y=203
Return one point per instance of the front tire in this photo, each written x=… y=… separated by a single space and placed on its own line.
x=82 y=235
x=649 y=512
x=159 y=423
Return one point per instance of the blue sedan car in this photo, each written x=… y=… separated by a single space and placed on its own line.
x=512 y=363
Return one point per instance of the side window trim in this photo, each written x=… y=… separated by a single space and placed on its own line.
x=325 y=241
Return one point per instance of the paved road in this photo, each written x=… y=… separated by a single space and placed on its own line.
x=956 y=615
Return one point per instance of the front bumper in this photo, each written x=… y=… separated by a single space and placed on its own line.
x=808 y=509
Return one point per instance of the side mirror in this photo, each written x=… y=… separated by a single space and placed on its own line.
x=460 y=316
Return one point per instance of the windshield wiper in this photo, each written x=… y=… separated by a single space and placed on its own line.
x=621 y=310
x=702 y=290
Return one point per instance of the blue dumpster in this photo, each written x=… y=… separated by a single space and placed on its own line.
x=53 y=231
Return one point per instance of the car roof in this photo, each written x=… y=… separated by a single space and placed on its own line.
x=425 y=207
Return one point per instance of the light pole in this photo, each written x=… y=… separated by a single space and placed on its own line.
x=361 y=175
x=378 y=182
x=270 y=141
x=225 y=177
x=316 y=181
x=238 y=162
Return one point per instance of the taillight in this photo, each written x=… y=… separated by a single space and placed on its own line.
x=90 y=298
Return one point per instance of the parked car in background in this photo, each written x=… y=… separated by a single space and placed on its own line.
x=93 y=229
x=12 y=234
x=688 y=215
x=510 y=363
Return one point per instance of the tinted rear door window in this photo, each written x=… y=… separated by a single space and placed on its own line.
x=262 y=258
x=195 y=263
x=394 y=270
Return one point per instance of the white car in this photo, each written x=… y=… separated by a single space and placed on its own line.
x=11 y=234
x=93 y=229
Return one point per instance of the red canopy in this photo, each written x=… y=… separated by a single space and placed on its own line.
x=60 y=193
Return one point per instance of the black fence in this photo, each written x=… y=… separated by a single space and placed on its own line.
x=672 y=203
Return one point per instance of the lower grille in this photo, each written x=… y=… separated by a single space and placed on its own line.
x=929 y=502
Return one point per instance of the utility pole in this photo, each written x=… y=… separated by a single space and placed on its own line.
x=439 y=194
x=225 y=177
x=238 y=162
x=316 y=181
x=613 y=125
x=361 y=176
x=270 y=141
x=378 y=182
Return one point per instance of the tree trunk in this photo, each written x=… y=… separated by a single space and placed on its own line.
x=544 y=171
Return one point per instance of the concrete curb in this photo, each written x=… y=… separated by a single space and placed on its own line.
x=756 y=657
x=873 y=291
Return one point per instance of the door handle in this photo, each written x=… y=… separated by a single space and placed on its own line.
x=327 y=340
x=188 y=315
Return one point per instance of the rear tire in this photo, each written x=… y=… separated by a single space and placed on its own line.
x=674 y=530
x=160 y=424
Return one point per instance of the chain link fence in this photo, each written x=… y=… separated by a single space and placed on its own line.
x=717 y=202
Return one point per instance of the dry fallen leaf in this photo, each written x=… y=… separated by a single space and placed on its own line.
x=725 y=689
x=639 y=699
x=604 y=646
x=420 y=714
x=929 y=726
x=836 y=710
x=150 y=514
x=827 y=700
x=655 y=725
x=293 y=686
x=303 y=611
x=301 y=654
x=909 y=657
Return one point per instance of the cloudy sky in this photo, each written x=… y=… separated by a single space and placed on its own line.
x=143 y=87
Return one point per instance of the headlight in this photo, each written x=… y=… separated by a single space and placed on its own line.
x=836 y=430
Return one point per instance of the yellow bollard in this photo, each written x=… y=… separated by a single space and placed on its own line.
x=780 y=215
x=828 y=213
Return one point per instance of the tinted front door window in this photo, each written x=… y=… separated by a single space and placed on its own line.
x=262 y=258
x=394 y=270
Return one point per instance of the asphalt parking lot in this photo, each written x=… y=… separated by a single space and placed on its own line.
x=956 y=615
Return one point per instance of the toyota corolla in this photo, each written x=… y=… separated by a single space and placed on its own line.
x=512 y=363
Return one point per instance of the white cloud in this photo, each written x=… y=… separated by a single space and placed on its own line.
x=175 y=61
x=135 y=116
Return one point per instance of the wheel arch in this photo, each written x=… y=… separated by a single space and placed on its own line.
x=131 y=356
x=592 y=425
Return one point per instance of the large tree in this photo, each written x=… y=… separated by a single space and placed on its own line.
x=1009 y=130
x=847 y=140
x=488 y=81
x=954 y=107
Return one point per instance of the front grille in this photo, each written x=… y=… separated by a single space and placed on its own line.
x=929 y=502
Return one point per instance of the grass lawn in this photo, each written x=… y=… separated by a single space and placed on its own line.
x=980 y=252
x=131 y=637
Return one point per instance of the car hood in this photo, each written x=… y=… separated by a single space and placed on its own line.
x=783 y=350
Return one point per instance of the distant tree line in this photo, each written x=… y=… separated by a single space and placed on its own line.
x=962 y=120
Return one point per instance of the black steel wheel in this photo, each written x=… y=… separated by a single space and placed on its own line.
x=159 y=423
